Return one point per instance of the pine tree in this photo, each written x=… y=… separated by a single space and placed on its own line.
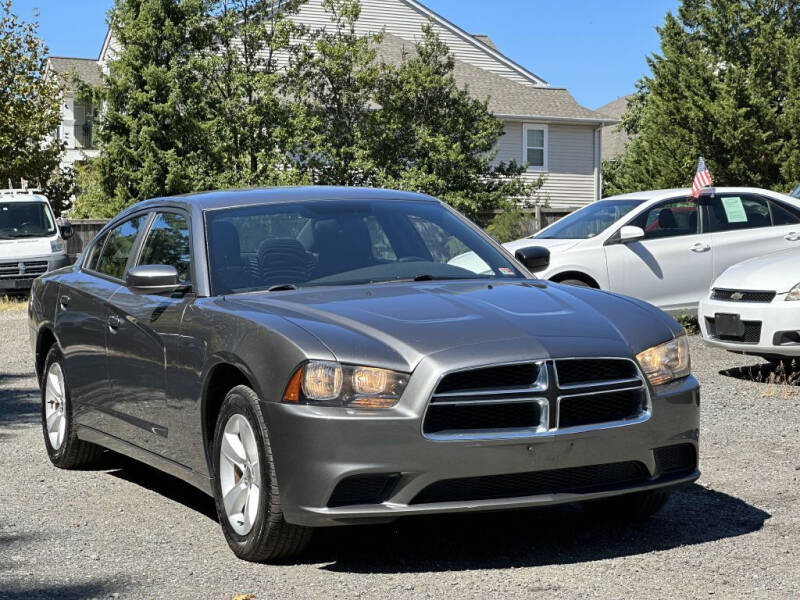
x=721 y=88
x=153 y=131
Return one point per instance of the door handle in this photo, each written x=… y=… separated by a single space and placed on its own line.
x=700 y=247
x=114 y=322
x=63 y=302
x=792 y=236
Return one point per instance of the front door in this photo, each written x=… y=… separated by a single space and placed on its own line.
x=144 y=336
x=672 y=266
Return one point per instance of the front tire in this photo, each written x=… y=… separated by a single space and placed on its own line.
x=575 y=282
x=246 y=487
x=629 y=507
x=64 y=448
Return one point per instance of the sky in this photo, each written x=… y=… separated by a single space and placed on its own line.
x=596 y=49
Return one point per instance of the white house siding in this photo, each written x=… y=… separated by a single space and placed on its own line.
x=405 y=21
x=571 y=176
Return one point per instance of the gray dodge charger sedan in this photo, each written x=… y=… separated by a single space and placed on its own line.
x=311 y=357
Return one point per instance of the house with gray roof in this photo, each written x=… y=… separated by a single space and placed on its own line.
x=545 y=128
x=77 y=116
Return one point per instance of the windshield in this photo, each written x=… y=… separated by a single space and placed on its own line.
x=25 y=219
x=796 y=192
x=590 y=220
x=321 y=243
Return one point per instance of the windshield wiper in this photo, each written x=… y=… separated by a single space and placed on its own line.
x=425 y=277
x=283 y=287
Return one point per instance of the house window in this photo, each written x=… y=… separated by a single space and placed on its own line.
x=534 y=150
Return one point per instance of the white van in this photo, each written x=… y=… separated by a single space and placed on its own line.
x=31 y=242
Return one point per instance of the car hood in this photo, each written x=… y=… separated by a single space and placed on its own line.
x=560 y=245
x=771 y=272
x=396 y=325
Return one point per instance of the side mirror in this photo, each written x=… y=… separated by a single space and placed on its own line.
x=65 y=229
x=630 y=233
x=152 y=279
x=534 y=258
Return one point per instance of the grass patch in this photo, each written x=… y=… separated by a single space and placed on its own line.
x=12 y=303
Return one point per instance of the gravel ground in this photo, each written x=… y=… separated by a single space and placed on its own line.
x=128 y=531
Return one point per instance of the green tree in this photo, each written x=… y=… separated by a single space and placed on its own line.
x=333 y=80
x=724 y=87
x=154 y=129
x=432 y=136
x=251 y=121
x=29 y=105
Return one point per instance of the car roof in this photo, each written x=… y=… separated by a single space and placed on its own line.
x=668 y=193
x=21 y=196
x=249 y=197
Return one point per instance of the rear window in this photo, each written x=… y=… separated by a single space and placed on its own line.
x=730 y=212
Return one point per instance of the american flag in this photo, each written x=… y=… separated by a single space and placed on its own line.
x=702 y=178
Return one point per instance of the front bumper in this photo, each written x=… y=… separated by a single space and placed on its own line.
x=17 y=274
x=317 y=448
x=779 y=321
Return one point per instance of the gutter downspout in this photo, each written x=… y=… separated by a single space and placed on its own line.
x=598 y=164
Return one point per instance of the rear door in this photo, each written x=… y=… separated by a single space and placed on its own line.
x=744 y=226
x=144 y=335
x=671 y=267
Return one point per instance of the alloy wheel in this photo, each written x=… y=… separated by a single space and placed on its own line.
x=240 y=474
x=55 y=405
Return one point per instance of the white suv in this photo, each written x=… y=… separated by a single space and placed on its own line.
x=664 y=246
x=31 y=242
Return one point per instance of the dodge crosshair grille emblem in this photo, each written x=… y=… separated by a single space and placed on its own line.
x=737 y=296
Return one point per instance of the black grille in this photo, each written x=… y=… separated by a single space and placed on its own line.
x=489 y=378
x=742 y=295
x=573 y=480
x=363 y=489
x=601 y=408
x=673 y=460
x=443 y=418
x=585 y=371
x=752 y=332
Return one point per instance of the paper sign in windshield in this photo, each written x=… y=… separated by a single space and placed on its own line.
x=734 y=209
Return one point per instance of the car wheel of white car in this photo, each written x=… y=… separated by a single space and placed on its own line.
x=245 y=484
x=64 y=448
x=575 y=282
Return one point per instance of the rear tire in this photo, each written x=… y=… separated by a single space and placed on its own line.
x=245 y=480
x=629 y=507
x=64 y=448
x=575 y=282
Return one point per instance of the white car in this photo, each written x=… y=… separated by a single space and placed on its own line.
x=754 y=307
x=31 y=242
x=664 y=246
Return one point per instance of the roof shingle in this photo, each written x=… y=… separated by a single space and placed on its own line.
x=85 y=69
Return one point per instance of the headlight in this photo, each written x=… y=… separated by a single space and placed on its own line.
x=666 y=362
x=331 y=384
x=56 y=246
x=794 y=293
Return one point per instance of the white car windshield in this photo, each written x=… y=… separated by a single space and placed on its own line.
x=25 y=219
x=589 y=221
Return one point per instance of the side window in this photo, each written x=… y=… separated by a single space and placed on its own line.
x=729 y=212
x=167 y=243
x=670 y=219
x=783 y=214
x=94 y=254
x=119 y=243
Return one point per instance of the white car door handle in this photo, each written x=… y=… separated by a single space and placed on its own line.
x=792 y=236
x=700 y=247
